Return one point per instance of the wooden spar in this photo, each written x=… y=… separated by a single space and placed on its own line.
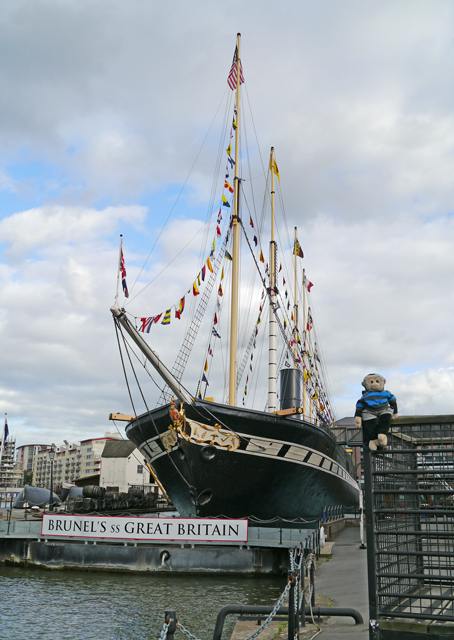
x=235 y=246
x=272 y=363
x=121 y=417
x=288 y=412
x=157 y=481
x=181 y=393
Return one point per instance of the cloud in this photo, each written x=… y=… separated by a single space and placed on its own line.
x=49 y=227
x=108 y=105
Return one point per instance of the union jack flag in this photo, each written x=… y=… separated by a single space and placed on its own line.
x=123 y=275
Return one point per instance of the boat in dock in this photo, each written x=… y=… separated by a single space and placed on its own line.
x=230 y=458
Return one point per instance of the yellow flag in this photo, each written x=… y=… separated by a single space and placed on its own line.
x=274 y=169
x=229 y=149
x=297 y=251
x=209 y=264
x=222 y=274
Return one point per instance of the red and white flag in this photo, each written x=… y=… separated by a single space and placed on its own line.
x=232 y=79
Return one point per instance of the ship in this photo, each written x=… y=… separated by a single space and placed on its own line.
x=227 y=459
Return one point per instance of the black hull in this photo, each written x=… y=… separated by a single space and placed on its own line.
x=258 y=465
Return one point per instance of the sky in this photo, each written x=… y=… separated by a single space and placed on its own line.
x=104 y=109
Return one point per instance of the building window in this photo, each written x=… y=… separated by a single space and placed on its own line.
x=139 y=468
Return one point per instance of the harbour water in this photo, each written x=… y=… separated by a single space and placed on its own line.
x=76 y=605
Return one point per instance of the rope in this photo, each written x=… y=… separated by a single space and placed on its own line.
x=145 y=403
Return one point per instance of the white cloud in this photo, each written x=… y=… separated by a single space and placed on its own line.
x=107 y=102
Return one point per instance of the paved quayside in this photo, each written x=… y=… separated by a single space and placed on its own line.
x=340 y=581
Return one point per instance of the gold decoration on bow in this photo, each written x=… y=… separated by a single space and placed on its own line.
x=213 y=435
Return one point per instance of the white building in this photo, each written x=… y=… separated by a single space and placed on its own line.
x=122 y=468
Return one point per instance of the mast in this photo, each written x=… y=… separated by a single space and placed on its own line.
x=272 y=364
x=235 y=245
x=304 y=343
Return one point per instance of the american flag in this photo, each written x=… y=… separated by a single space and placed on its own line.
x=232 y=79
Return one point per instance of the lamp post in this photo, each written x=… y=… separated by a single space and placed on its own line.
x=51 y=495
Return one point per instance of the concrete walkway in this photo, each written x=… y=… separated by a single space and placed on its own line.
x=343 y=579
x=340 y=581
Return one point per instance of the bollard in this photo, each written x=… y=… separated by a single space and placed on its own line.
x=171 y=616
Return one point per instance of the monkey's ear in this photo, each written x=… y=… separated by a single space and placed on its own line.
x=384 y=382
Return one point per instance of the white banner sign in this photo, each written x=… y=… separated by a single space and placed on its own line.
x=191 y=529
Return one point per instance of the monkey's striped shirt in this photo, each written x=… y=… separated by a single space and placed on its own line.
x=374 y=403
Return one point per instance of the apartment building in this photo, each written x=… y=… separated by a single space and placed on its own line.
x=91 y=452
x=25 y=456
x=72 y=461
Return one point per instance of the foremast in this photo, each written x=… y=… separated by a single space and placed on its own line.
x=235 y=244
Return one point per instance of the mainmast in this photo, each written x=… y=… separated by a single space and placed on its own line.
x=272 y=364
x=235 y=244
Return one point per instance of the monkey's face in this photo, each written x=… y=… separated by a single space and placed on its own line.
x=374 y=383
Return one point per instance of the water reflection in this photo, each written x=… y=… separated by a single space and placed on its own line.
x=74 y=605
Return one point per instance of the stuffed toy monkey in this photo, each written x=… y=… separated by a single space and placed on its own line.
x=374 y=411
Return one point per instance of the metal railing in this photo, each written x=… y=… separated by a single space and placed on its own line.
x=409 y=492
x=299 y=593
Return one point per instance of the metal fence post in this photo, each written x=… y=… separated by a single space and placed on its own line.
x=171 y=616
x=371 y=561
x=10 y=514
x=291 y=606
x=312 y=583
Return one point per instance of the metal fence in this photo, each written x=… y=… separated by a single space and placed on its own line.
x=409 y=506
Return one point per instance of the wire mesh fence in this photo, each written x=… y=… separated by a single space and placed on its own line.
x=410 y=521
